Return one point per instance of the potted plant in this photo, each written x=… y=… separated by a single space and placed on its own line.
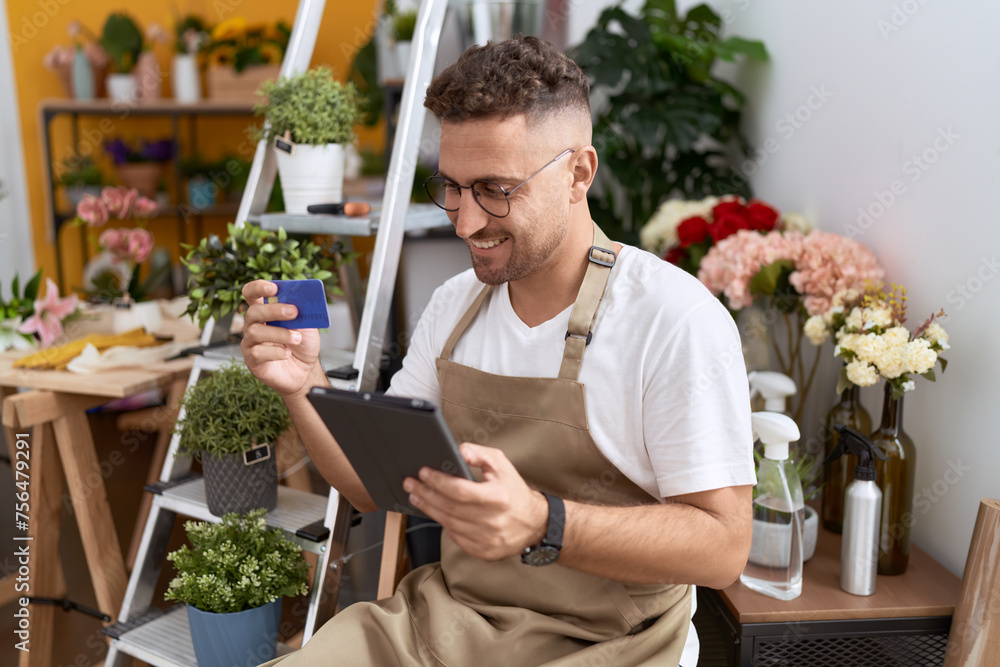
x=190 y=34
x=231 y=420
x=219 y=270
x=240 y=56
x=403 y=25
x=310 y=117
x=79 y=177
x=140 y=166
x=232 y=579
x=201 y=188
x=122 y=40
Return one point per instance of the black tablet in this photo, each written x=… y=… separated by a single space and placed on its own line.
x=388 y=438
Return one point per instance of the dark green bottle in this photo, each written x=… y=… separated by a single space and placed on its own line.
x=839 y=473
x=895 y=477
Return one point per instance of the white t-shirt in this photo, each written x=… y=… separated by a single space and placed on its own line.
x=667 y=396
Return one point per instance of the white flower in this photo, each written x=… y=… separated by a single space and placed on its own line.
x=845 y=296
x=877 y=317
x=9 y=336
x=831 y=313
x=918 y=357
x=868 y=347
x=861 y=374
x=853 y=320
x=935 y=333
x=796 y=222
x=896 y=336
x=816 y=330
x=909 y=385
x=891 y=361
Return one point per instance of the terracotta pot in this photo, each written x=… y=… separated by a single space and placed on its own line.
x=143 y=176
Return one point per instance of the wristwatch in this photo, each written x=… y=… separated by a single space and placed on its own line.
x=547 y=551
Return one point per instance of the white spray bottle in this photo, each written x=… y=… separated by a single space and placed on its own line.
x=775 y=564
x=774 y=388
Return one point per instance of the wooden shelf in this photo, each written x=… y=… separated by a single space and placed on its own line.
x=926 y=589
x=161 y=107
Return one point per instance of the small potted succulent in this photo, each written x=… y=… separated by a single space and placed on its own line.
x=233 y=578
x=122 y=40
x=310 y=119
x=231 y=420
x=219 y=269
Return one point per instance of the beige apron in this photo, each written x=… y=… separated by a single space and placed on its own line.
x=465 y=612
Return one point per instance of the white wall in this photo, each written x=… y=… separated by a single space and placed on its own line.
x=16 y=246
x=892 y=83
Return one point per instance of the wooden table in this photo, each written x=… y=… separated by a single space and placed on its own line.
x=908 y=616
x=50 y=423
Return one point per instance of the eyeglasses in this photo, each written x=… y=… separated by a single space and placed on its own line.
x=491 y=197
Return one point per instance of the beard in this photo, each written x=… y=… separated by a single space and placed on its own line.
x=529 y=250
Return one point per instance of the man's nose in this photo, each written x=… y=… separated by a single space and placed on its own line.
x=470 y=216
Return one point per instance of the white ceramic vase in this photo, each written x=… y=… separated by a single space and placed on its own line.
x=185 y=78
x=122 y=87
x=311 y=175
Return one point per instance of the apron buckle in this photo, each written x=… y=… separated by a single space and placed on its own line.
x=590 y=335
x=599 y=255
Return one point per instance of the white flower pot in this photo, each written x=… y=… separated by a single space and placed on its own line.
x=403 y=56
x=770 y=544
x=312 y=175
x=185 y=78
x=121 y=88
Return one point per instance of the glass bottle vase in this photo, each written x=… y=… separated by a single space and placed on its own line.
x=895 y=478
x=839 y=473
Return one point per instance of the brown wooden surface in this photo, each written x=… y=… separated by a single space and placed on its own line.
x=118 y=383
x=975 y=629
x=162 y=106
x=392 y=554
x=926 y=589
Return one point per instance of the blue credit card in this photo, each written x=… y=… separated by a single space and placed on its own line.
x=306 y=295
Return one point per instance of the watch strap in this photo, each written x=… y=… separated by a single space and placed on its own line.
x=557 y=522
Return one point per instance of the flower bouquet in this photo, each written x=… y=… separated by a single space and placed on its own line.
x=682 y=232
x=91 y=62
x=240 y=56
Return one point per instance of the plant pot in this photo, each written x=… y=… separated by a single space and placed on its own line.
x=75 y=193
x=143 y=176
x=201 y=192
x=770 y=544
x=403 y=49
x=311 y=175
x=122 y=88
x=128 y=315
x=231 y=485
x=244 y=638
x=225 y=83
x=148 y=77
x=185 y=78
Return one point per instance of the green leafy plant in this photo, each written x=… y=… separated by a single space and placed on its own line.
x=80 y=172
x=404 y=24
x=219 y=270
x=16 y=310
x=235 y=565
x=122 y=39
x=312 y=106
x=229 y=412
x=670 y=127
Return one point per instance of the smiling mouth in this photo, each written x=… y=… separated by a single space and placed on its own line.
x=485 y=245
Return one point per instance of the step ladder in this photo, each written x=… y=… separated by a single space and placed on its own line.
x=319 y=524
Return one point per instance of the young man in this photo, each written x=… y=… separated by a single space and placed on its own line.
x=601 y=392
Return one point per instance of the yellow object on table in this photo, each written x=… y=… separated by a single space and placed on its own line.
x=59 y=357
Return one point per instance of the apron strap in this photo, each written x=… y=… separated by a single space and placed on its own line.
x=588 y=299
x=464 y=323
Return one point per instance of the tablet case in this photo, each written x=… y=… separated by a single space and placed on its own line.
x=388 y=438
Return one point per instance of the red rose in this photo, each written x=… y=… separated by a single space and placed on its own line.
x=732 y=207
x=693 y=230
x=675 y=256
x=761 y=216
x=726 y=225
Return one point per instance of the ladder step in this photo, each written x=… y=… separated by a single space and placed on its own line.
x=418 y=217
x=297 y=512
x=163 y=638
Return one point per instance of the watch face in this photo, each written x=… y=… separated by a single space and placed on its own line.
x=542 y=554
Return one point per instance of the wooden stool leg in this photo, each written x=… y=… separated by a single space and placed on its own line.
x=93 y=514
x=164 y=433
x=394 y=542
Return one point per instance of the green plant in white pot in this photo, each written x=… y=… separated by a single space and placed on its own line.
x=310 y=119
x=231 y=420
x=233 y=578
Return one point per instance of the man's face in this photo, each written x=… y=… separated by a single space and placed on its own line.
x=507 y=152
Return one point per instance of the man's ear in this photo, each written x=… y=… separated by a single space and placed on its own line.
x=584 y=170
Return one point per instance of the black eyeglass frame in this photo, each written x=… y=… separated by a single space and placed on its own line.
x=475 y=194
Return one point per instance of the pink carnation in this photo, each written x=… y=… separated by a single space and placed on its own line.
x=111 y=239
x=144 y=207
x=113 y=198
x=140 y=244
x=128 y=199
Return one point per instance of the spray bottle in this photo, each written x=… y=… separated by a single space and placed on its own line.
x=773 y=388
x=775 y=564
x=862 y=513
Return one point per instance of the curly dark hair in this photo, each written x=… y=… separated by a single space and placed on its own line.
x=522 y=75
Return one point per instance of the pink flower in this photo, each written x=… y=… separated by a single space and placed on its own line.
x=128 y=200
x=92 y=210
x=113 y=197
x=140 y=244
x=49 y=314
x=111 y=239
x=144 y=208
